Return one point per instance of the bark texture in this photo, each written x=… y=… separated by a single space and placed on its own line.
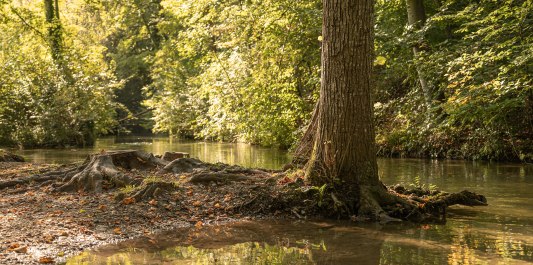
x=344 y=142
x=344 y=154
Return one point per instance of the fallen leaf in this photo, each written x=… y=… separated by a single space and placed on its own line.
x=197 y=203
x=102 y=207
x=117 y=231
x=199 y=224
x=46 y=260
x=23 y=249
x=153 y=202
x=227 y=197
x=217 y=205
x=13 y=246
x=128 y=200
x=49 y=239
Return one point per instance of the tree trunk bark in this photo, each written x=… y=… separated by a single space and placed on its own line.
x=344 y=154
x=416 y=16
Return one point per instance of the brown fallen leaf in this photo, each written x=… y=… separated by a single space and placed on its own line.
x=117 y=231
x=13 y=246
x=101 y=207
x=199 y=224
x=49 y=239
x=46 y=260
x=153 y=202
x=197 y=203
x=128 y=200
x=23 y=249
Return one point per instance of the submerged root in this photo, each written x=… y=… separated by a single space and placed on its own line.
x=387 y=204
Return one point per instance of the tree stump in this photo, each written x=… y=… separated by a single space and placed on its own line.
x=106 y=166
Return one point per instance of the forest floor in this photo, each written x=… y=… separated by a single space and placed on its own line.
x=38 y=225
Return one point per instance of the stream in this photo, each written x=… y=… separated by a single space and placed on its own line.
x=501 y=233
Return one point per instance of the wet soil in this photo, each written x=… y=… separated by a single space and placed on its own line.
x=38 y=225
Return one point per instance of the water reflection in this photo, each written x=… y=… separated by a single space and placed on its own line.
x=315 y=243
x=230 y=153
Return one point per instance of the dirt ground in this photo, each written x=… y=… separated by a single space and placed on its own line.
x=41 y=226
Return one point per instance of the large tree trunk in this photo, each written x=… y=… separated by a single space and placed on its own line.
x=344 y=154
x=416 y=16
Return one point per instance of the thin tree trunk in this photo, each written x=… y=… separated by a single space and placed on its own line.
x=54 y=31
x=416 y=16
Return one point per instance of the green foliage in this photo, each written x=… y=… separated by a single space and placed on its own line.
x=43 y=101
x=320 y=191
x=250 y=71
x=237 y=71
x=478 y=57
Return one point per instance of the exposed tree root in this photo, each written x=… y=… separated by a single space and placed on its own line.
x=171 y=156
x=265 y=191
x=397 y=203
x=104 y=167
x=147 y=191
x=204 y=177
x=9 y=157
x=184 y=165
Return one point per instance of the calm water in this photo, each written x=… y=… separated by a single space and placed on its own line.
x=231 y=153
x=501 y=233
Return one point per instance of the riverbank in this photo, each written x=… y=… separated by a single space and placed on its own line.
x=50 y=212
x=38 y=226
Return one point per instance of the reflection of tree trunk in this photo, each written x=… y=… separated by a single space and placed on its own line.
x=416 y=16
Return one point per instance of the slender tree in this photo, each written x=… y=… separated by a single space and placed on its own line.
x=51 y=9
x=416 y=16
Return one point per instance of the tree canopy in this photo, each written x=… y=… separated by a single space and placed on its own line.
x=250 y=71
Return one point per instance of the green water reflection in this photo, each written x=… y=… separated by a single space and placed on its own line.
x=501 y=233
x=316 y=243
x=231 y=153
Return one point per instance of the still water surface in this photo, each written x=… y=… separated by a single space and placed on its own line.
x=501 y=233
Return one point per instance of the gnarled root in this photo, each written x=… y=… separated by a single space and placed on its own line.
x=104 y=167
x=147 y=191
x=379 y=203
x=184 y=165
